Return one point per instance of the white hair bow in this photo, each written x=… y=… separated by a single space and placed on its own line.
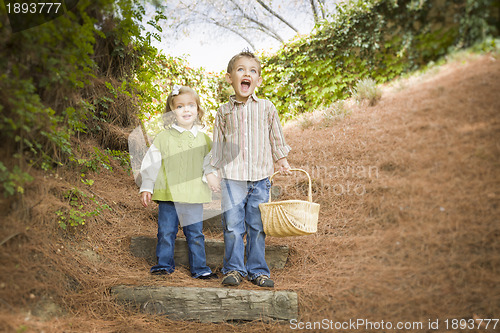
x=175 y=89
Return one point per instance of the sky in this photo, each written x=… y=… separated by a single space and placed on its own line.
x=213 y=54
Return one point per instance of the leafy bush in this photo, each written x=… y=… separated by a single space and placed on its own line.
x=69 y=77
x=78 y=213
x=13 y=180
x=380 y=39
x=336 y=111
x=367 y=89
x=87 y=73
x=43 y=68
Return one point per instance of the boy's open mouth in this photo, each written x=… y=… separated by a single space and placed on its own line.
x=245 y=85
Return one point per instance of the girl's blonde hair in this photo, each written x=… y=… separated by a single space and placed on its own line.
x=169 y=116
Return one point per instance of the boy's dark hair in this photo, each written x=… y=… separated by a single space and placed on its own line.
x=245 y=53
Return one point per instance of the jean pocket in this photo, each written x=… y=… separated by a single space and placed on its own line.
x=268 y=184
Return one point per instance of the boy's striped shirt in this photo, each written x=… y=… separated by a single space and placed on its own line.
x=248 y=139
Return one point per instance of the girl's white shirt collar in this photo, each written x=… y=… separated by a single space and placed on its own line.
x=194 y=130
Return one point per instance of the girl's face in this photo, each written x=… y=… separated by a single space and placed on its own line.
x=186 y=110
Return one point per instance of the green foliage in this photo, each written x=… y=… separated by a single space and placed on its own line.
x=93 y=67
x=159 y=76
x=367 y=89
x=47 y=84
x=122 y=157
x=380 y=39
x=78 y=75
x=29 y=124
x=79 y=211
x=13 y=181
x=21 y=329
x=101 y=160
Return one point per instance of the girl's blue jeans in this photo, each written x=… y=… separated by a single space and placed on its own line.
x=168 y=225
x=241 y=215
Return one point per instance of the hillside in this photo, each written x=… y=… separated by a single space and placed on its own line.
x=408 y=229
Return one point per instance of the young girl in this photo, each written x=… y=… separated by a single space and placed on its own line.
x=172 y=173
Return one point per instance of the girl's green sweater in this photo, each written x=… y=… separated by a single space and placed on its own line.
x=181 y=172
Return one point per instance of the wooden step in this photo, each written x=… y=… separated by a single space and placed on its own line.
x=209 y=304
x=145 y=247
x=212 y=220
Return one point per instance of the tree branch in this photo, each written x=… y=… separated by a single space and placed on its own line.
x=234 y=31
x=264 y=27
x=315 y=12
x=266 y=7
x=322 y=7
x=211 y=20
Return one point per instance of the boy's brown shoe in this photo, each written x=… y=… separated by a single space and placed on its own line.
x=233 y=278
x=263 y=281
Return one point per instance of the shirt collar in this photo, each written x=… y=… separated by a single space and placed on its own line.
x=233 y=101
x=194 y=130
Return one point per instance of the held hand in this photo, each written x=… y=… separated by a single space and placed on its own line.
x=283 y=166
x=145 y=198
x=213 y=182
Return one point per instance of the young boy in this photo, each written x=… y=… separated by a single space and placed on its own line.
x=248 y=138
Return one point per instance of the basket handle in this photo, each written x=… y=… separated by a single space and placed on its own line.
x=308 y=177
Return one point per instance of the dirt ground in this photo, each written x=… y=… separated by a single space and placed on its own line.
x=408 y=232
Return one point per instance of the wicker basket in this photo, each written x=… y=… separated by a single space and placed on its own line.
x=290 y=217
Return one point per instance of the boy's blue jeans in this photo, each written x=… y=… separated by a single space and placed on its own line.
x=241 y=215
x=168 y=225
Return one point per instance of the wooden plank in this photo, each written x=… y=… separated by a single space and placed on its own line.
x=145 y=247
x=212 y=220
x=209 y=304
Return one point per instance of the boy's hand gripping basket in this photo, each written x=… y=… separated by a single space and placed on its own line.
x=290 y=217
